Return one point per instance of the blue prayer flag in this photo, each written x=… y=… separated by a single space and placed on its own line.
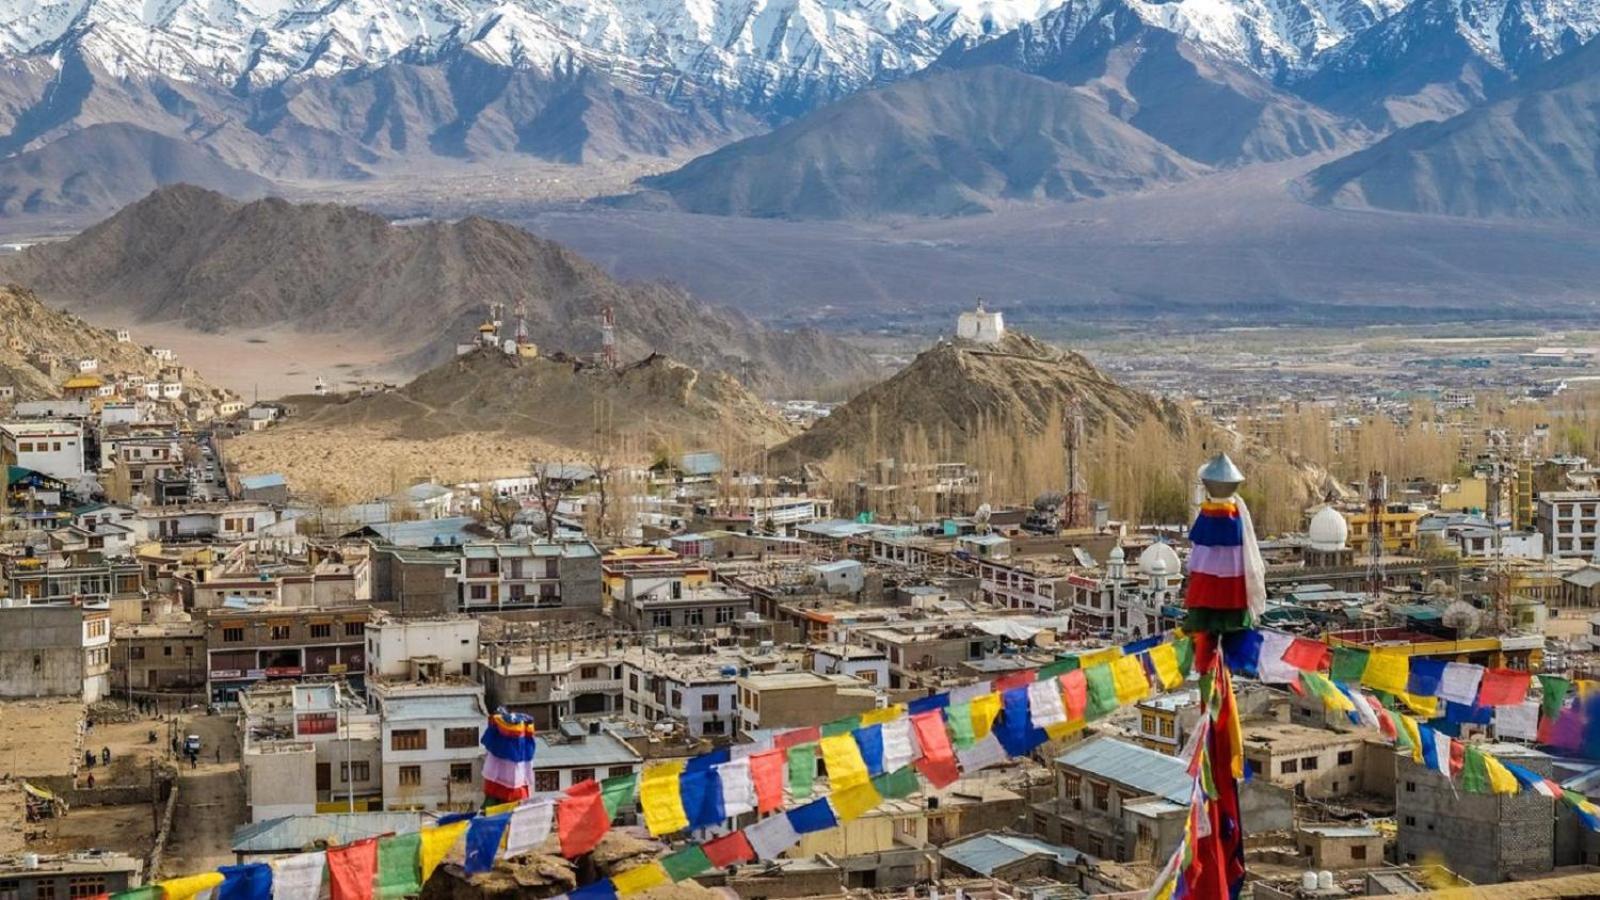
x=707 y=760
x=1015 y=729
x=1426 y=676
x=483 y=842
x=870 y=741
x=926 y=704
x=250 y=881
x=701 y=792
x=599 y=890
x=814 y=816
x=1241 y=650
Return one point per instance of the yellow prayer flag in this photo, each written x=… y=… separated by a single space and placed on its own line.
x=189 y=885
x=1063 y=730
x=660 y=800
x=1426 y=707
x=1501 y=781
x=1387 y=671
x=1165 y=660
x=499 y=808
x=639 y=879
x=880 y=716
x=1089 y=660
x=985 y=709
x=852 y=802
x=842 y=756
x=1409 y=726
x=1127 y=675
x=436 y=843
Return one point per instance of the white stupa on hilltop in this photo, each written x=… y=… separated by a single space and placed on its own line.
x=981 y=326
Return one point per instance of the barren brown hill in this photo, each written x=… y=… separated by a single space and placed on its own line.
x=554 y=400
x=31 y=332
x=953 y=389
x=196 y=257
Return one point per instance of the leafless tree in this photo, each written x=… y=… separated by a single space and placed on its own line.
x=496 y=510
x=548 y=476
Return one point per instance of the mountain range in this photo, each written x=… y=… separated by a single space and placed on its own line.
x=197 y=258
x=1120 y=95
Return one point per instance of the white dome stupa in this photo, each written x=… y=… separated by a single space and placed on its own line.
x=1329 y=531
x=1159 y=559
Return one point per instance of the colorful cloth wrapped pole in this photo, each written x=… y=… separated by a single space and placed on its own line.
x=508 y=742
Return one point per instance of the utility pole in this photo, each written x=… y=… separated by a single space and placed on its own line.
x=1377 y=497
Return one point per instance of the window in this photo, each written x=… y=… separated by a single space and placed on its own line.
x=619 y=771
x=188 y=650
x=1147 y=723
x=1347 y=757
x=1102 y=796
x=322 y=630
x=136 y=653
x=1288 y=767
x=1411 y=820
x=478 y=592
x=408 y=739
x=86 y=885
x=661 y=618
x=528 y=686
x=461 y=773
x=233 y=635
x=695 y=616
x=410 y=776
x=1167 y=728
x=547 y=781
x=677 y=699
x=1308 y=764
x=355 y=629
x=579 y=776
x=1358 y=852
x=633 y=681
x=710 y=702
x=166 y=649
x=45 y=888
x=589 y=673
x=280 y=632
x=724 y=615
x=633 y=707
x=361 y=770
x=455 y=738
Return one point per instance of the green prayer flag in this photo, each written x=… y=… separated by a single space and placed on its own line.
x=802 y=770
x=1184 y=647
x=899 y=783
x=1402 y=740
x=1348 y=664
x=841 y=726
x=959 y=717
x=618 y=791
x=1555 y=694
x=398 y=872
x=686 y=863
x=1102 y=690
x=1474 y=773
x=1060 y=667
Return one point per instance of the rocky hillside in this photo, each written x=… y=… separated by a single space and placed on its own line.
x=196 y=257
x=654 y=400
x=31 y=331
x=953 y=387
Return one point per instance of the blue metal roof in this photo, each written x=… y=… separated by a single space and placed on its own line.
x=261 y=482
x=291 y=834
x=426 y=532
x=986 y=853
x=1150 y=771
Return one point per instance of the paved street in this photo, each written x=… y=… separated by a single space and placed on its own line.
x=211 y=800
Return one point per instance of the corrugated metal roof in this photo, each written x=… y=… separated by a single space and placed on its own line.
x=593 y=751
x=258 y=482
x=986 y=853
x=294 y=833
x=426 y=532
x=1148 y=771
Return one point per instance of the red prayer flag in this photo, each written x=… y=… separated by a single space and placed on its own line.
x=352 y=870
x=1503 y=687
x=1307 y=655
x=1458 y=757
x=729 y=850
x=938 y=762
x=581 y=819
x=796 y=737
x=1075 y=693
x=768 y=770
x=1015 y=680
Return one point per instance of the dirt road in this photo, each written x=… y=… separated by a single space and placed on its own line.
x=211 y=801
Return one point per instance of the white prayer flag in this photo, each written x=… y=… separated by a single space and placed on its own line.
x=529 y=826
x=298 y=877
x=738 y=790
x=1045 y=706
x=983 y=754
x=771 y=836
x=1270 y=666
x=1517 y=721
x=1460 y=683
x=899 y=744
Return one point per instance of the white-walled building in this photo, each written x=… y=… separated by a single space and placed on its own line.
x=429 y=735
x=698 y=691
x=981 y=326
x=1570 y=522
x=52 y=448
x=422 y=648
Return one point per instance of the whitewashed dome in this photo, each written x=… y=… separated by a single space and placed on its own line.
x=1329 y=530
x=1118 y=554
x=1159 y=559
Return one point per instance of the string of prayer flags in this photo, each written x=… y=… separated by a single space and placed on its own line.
x=352 y=869
x=398 y=873
x=581 y=819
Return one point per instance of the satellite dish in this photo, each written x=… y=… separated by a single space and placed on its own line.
x=1462 y=616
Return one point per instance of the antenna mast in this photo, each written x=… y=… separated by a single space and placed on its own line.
x=1076 y=513
x=1377 y=497
x=608 y=337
